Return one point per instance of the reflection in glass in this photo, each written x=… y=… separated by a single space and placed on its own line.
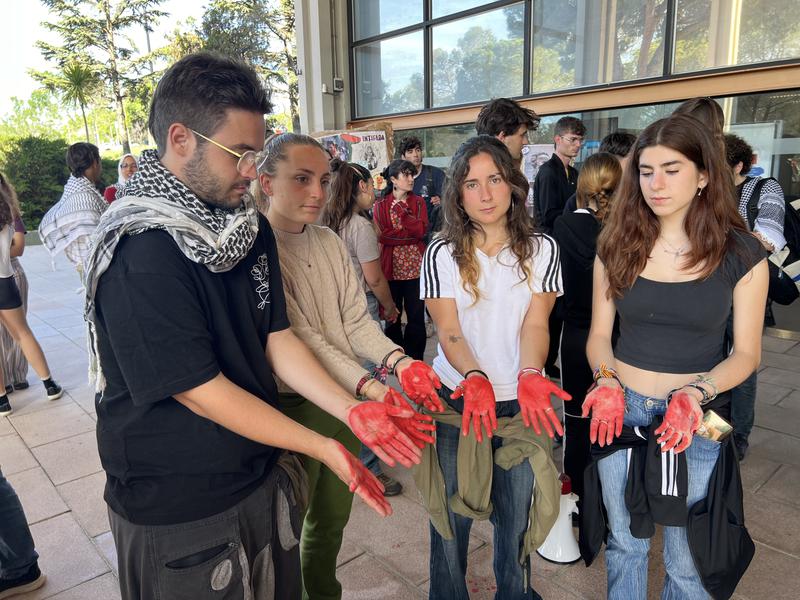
x=448 y=7
x=373 y=17
x=585 y=43
x=712 y=34
x=389 y=75
x=438 y=143
x=479 y=57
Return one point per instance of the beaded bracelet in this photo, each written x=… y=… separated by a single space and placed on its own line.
x=709 y=382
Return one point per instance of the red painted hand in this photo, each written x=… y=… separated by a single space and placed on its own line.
x=533 y=395
x=420 y=383
x=394 y=398
x=681 y=420
x=479 y=406
x=357 y=477
x=372 y=423
x=417 y=428
x=607 y=405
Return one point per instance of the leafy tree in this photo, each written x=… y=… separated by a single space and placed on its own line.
x=98 y=29
x=40 y=115
x=75 y=83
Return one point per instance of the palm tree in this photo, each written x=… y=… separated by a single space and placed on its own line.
x=75 y=83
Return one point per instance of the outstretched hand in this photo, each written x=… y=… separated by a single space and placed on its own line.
x=533 y=395
x=479 y=406
x=681 y=420
x=607 y=405
x=420 y=383
x=374 y=424
x=357 y=477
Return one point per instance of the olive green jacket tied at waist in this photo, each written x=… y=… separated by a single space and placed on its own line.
x=474 y=468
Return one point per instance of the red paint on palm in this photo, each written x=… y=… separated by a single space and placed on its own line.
x=607 y=405
x=420 y=383
x=533 y=395
x=479 y=406
x=418 y=428
x=681 y=420
x=374 y=424
x=360 y=481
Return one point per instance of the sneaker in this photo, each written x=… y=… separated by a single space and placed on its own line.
x=21 y=385
x=54 y=391
x=5 y=407
x=391 y=487
x=32 y=580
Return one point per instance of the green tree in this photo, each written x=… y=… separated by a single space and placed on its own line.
x=75 y=83
x=40 y=115
x=99 y=29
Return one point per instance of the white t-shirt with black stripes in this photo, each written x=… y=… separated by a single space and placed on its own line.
x=490 y=326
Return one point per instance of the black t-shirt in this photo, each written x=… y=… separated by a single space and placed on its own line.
x=551 y=189
x=166 y=325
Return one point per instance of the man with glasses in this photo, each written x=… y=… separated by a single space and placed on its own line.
x=509 y=122
x=188 y=331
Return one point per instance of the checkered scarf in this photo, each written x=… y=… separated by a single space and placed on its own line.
x=155 y=199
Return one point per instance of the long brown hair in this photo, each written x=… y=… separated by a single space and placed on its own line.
x=9 y=206
x=343 y=193
x=460 y=231
x=631 y=230
x=598 y=179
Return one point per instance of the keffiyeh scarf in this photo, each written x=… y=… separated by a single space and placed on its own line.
x=155 y=199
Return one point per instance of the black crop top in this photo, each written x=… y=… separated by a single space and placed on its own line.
x=679 y=327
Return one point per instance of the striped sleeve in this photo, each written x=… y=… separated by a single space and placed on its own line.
x=547 y=266
x=436 y=277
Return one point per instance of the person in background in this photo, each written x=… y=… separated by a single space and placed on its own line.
x=402 y=220
x=617 y=144
x=70 y=223
x=350 y=196
x=673 y=257
x=509 y=122
x=428 y=182
x=12 y=314
x=576 y=234
x=126 y=168
x=14 y=363
x=768 y=228
x=327 y=310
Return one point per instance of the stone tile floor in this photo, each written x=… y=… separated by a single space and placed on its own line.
x=48 y=452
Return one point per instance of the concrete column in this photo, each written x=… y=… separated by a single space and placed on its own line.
x=322 y=55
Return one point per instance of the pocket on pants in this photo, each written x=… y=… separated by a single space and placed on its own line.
x=203 y=559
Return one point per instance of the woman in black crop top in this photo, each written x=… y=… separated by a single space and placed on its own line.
x=673 y=258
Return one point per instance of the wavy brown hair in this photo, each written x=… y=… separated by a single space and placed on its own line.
x=343 y=192
x=598 y=179
x=461 y=232
x=631 y=230
x=9 y=205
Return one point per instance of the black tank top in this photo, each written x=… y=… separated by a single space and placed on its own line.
x=680 y=327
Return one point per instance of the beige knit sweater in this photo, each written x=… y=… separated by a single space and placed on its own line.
x=326 y=304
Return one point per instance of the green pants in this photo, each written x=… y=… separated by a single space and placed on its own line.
x=329 y=502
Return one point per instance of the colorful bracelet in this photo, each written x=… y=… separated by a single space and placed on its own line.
x=361 y=383
x=527 y=370
x=604 y=371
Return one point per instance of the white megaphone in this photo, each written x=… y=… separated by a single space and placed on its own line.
x=560 y=546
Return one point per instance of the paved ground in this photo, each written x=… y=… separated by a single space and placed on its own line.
x=48 y=452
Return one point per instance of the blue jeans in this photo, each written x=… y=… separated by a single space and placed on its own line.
x=511 y=498
x=16 y=544
x=366 y=455
x=626 y=556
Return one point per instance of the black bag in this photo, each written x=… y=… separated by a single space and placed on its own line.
x=784 y=266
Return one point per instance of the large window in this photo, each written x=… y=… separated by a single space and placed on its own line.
x=373 y=17
x=390 y=75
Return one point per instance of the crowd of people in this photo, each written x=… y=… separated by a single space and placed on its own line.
x=242 y=367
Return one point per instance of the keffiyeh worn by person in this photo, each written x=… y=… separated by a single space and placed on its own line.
x=155 y=199
x=72 y=219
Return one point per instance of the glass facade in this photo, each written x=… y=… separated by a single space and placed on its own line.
x=374 y=17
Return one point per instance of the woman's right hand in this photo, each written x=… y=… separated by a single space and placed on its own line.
x=479 y=405
x=606 y=402
x=391 y=314
x=356 y=476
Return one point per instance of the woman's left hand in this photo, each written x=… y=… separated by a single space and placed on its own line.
x=533 y=395
x=420 y=383
x=681 y=420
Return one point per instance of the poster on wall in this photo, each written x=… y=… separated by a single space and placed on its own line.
x=371 y=148
x=533 y=157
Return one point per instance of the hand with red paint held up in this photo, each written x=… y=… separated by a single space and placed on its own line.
x=357 y=477
x=420 y=383
x=533 y=395
x=607 y=405
x=681 y=420
x=415 y=427
x=372 y=423
x=479 y=405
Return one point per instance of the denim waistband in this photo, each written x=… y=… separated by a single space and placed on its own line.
x=631 y=394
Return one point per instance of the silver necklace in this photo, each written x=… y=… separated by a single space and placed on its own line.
x=670 y=249
x=307 y=259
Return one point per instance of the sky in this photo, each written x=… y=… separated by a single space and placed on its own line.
x=20 y=28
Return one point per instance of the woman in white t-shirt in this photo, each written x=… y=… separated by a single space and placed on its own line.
x=490 y=282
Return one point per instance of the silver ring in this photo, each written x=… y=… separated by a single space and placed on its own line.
x=550 y=409
x=603 y=421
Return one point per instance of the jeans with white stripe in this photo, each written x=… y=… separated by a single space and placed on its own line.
x=626 y=556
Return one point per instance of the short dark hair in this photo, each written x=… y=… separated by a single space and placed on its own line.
x=81 y=156
x=570 y=125
x=738 y=151
x=618 y=143
x=198 y=89
x=393 y=169
x=409 y=143
x=505 y=116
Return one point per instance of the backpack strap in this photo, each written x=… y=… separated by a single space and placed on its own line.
x=752 y=201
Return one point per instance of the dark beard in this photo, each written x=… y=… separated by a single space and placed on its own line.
x=198 y=178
